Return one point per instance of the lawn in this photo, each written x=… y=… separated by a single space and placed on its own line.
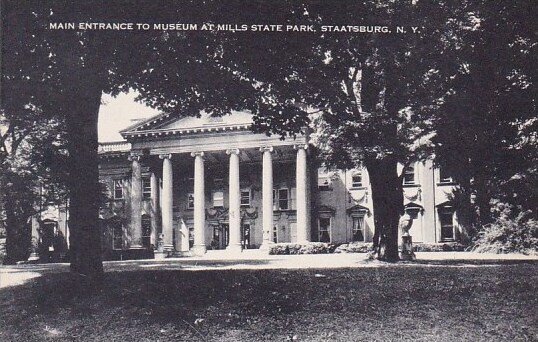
x=395 y=302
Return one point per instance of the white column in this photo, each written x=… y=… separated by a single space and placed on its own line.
x=303 y=217
x=154 y=207
x=234 y=212
x=167 y=202
x=199 y=247
x=136 y=203
x=267 y=196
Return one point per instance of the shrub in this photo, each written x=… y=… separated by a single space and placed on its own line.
x=509 y=235
x=279 y=249
x=355 y=247
x=297 y=248
x=439 y=247
x=315 y=248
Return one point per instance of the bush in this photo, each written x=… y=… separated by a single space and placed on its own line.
x=297 y=248
x=439 y=247
x=509 y=235
x=355 y=247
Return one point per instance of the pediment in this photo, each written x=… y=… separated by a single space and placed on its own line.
x=358 y=209
x=165 y=123
x=412 y=205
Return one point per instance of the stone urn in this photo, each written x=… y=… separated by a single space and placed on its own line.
x=407 y=240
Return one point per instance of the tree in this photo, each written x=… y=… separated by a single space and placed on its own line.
x=485 y=123
x=366 y=88
x=30 y=175
x=63 y=74
x=25 y=133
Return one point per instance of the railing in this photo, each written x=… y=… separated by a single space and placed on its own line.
x=115 y=146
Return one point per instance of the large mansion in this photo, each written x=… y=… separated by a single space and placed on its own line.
x=183 y=186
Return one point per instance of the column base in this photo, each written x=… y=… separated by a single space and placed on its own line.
x=266 y=245
x=199 y=250
x=234 y=248
x=160 y=255
x=181 y=254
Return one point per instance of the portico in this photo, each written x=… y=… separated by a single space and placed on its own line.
x=221 y=186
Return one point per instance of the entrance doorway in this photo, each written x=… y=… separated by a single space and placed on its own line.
x=221 y=236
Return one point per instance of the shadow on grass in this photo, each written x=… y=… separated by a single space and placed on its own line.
x=468 y=262
x=181 y=263
x=268 y=304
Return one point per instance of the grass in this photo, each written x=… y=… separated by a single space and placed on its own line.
x=395 y=302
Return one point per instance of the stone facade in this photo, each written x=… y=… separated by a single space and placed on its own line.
x=183 y=186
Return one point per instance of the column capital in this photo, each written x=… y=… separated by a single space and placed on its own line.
x=134 y=156
x=300 y=146
x=197 y=154
x=266 y=149
x=165 y=156
x=233 y=151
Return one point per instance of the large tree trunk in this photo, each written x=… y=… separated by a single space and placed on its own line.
x=387 y=198
x=81 y=120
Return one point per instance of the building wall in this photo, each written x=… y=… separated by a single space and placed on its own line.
x=335 y=194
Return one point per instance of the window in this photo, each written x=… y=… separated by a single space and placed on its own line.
x=146 y=231
x=190 y=201
x=245 y=198
x=283 y=199
x=218 y=199
x=409 y=175
x=356 y=179
x=447 y=225
x=118 y=189
x=324 y=225
x=444 y=177
x=358 y=228
x=117 y=234
x=146 y=187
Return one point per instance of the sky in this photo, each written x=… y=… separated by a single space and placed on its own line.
x=118 y=113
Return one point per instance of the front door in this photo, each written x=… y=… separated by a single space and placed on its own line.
x=221 y=235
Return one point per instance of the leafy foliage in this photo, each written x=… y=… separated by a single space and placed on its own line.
x=296 y=248
x=509 y=234
x=485 y=125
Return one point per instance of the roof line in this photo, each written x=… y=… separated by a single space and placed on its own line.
x=144 y=122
